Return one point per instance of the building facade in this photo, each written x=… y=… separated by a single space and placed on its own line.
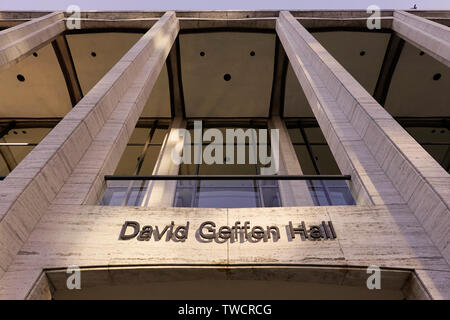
x=354 y=107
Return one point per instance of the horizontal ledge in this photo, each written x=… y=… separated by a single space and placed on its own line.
x=222 y=14
x=229 y=177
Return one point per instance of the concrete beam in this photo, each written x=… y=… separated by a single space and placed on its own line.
x=431 y=37
x=18 y=42
x=5 y=151
x=279 y=80
x=20 y=123
x=439 y=16
x=365 y=140
x=190 y=24
x=246 y=19
x=8 y=157
x=194 y=24
x=64 y=56
x=175 y=81
x=393 y=51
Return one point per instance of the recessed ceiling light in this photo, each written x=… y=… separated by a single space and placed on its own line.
x=437 y=76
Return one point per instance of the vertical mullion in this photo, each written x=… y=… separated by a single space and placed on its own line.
x=308 y=148
x=257 y=168
x=196 y=188
x=144 y=150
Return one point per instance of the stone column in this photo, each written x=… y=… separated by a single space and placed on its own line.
x=69 y=164
x=293 y=193
x=162 y=193
x=386 y=164
x=20 y=41
x=429 y=36
x=145 y=59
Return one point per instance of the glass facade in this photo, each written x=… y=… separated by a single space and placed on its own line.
x=235 y=193
x=195 y=185
x=311 y=148
x=143 y=148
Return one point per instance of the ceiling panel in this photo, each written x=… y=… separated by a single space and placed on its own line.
x=94 y=54
x=360 y=53
x=34 y=87
x=414 y=90
x=28 y=135
x=227 y=74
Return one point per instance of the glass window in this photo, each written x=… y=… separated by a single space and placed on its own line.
x=229 y=189
x=313 y=152
x=227 y=193
x=142 y=150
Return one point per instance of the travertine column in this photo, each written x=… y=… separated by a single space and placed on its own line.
x=429 y=36
x=293 y=193
x=162 y=193
x=86 y=184
x=385 y=162
x=69 y=164
x=19 y=41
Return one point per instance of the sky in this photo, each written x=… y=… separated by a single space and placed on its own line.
x=218 y=4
